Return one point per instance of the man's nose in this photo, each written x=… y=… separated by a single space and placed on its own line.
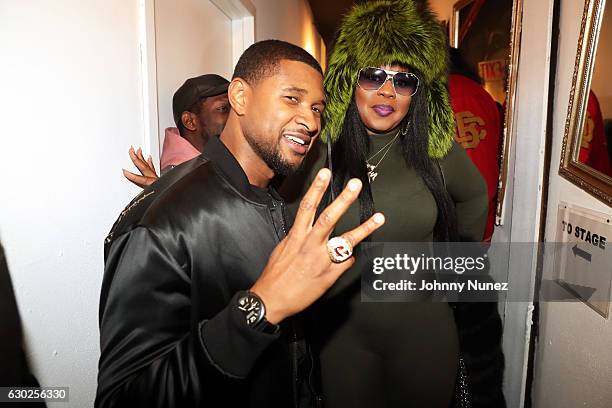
x=308 y=119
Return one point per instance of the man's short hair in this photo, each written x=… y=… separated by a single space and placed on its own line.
x=262 y=59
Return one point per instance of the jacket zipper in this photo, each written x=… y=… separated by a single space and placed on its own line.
x=293 y=346
x=293 y=355
x=282 y=216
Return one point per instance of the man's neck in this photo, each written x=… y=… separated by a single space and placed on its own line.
x=256 y=170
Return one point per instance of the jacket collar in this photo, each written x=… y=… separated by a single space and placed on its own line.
x=226 y=163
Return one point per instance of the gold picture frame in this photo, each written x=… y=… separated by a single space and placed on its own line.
x=592 y=181
x=455 y=23
x=512 y=68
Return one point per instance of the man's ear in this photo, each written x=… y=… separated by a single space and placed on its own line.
x=238 y=94
x=188 y=120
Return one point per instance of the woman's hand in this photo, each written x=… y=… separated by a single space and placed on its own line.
x=145 y=167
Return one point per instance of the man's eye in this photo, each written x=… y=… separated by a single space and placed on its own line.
x=317 y=110
x=292 y=99
x=223 y=109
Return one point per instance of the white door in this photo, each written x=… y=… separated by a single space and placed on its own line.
x=573 y=365
x=192 y=37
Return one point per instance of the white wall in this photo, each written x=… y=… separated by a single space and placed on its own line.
x=574 y=357
x=288 y=20
x=442 y=8
x=70 y=108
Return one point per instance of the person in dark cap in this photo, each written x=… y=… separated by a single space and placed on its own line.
x=200 y=108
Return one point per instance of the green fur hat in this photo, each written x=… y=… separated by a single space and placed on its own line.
x=383 y=32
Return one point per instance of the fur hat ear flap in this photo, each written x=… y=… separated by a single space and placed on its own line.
x=441 y=120
x=391 y=31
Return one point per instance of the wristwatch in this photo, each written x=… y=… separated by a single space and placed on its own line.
x=254 y=311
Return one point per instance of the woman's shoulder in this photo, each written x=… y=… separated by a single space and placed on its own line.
x=458 y=164
x=455 y=156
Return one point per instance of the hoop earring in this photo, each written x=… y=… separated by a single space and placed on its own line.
x=404 y=131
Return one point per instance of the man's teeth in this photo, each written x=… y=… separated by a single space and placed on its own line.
x=296 y=140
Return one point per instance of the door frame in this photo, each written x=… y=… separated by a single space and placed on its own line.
x=242 y=15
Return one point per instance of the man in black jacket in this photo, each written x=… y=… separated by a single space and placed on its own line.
x=203 y=280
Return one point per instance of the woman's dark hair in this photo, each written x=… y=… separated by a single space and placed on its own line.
x=352 y=147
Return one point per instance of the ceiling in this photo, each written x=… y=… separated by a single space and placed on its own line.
x=327 y=15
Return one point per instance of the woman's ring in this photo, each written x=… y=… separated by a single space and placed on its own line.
x=339 y=249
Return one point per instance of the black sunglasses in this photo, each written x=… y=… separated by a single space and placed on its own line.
x=372 y=79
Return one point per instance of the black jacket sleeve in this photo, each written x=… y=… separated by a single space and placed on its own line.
x=154 y=353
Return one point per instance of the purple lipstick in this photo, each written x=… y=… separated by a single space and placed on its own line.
x=383 y=110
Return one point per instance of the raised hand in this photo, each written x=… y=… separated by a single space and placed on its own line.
x=300 y=268
x=145 y=167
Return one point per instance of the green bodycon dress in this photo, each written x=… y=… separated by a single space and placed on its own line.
x=395 y=354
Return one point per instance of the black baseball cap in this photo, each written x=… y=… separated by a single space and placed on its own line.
x=193 y=90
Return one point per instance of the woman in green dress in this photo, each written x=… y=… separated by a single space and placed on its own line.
x=388 y=121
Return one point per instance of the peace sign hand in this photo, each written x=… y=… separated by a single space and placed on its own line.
x=300 y=268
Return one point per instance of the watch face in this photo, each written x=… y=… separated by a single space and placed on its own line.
x=252 y=309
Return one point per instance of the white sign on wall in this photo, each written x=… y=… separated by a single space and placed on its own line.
x=583 y=262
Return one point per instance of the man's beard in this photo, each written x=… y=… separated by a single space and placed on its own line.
x=271 y=155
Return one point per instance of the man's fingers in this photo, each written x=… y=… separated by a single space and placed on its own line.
x=310 y=202
x=356 y=235
x=330 y=216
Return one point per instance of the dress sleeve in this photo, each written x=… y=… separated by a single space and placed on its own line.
x=468 y=190
x=153 y=353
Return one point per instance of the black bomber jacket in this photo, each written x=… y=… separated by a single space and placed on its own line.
x=170 y=332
